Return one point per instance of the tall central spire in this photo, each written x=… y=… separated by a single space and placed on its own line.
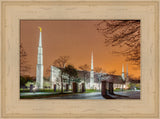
x=40 y=37
x=92 y=72
x=39 y=72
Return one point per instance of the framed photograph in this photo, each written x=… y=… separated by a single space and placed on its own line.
x=64 y=70
x=80 y=59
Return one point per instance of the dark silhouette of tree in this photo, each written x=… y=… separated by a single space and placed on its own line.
x=85 y=68
x=98 y=69
x=24 y=67
x=112 y=72
x=133 y=79
x=123 y=33
x=71 y=71
x=23 y=81
x=61 y=61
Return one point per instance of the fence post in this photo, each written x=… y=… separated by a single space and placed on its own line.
x=83 y=87
x=67 y=87
x=75 y=87
x=110 y=88
x=54 y=87
x=103 y=88
x=31 y=87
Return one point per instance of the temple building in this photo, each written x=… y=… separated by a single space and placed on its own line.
x=55 y=76
x=92 y=79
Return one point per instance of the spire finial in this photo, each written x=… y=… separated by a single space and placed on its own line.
x=40 y=29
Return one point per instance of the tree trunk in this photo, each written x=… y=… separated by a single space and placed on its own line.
x=99 y=85
x=122 y=87
x=61 y=84
x=69 y=81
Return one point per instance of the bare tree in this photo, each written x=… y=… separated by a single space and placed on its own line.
x=112 y=72
x=98 y=69
x=61 y=61
x=48 y=70
x=24 y=67
x=84 y=67
x=123 y=33
x=71 y=71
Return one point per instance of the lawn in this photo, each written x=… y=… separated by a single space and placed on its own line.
x=91 y=91
x=40 y=90
x=50 y=93
x=51 y=90
x=118 y=90
x=44 y=95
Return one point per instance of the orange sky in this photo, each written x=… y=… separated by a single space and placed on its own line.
x=76 y=39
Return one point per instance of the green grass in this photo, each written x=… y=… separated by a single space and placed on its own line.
x=41 y=90
x=118 y=90
x=44 y=95
x=51 y=90
x=91 y=90
x=54 y=94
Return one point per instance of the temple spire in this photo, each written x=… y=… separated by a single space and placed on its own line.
x=123 y=76
x=92 y=61
x=92 y=73
x=39 y=72
x=40 y=37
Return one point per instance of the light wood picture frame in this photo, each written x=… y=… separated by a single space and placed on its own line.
x=13 y=11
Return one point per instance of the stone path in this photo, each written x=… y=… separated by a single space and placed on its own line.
x=36 y=93
x=128 y=94
x=94 y=95
x=97 y=95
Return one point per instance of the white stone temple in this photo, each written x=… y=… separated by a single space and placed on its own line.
x=92 y=82
x=92 y=73
x=54 y=76
x=92 y=79
x=39 y=71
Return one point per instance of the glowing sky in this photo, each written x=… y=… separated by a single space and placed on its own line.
x=76 y=39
